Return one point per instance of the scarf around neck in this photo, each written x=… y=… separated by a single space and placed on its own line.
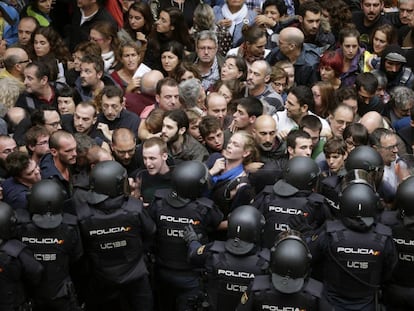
x=229 y=175
x=236 y=18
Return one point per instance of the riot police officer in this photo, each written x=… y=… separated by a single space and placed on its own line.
x=358 y=254
x=55 y=241
x=173 y=209
x=363 y=162
x=18 y=268
x=231 y=265
x=399 y=294
x=288 y=287
x=114 y=226
x=292 y=201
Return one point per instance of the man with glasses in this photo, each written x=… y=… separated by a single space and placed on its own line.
x=125 y=151
x=386 y=143
x=15 y=60
x=207 y=60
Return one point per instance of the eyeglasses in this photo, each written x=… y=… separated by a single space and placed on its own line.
x=96 y=39
x=208 y=48
x=24 y=61
x=390 y=148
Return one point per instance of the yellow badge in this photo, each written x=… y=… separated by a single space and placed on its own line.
x=244 y=298
x=200 y=250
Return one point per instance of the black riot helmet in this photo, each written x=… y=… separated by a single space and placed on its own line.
x=404 y=200
x=45 y=201
x=189 y=179
x=359 y=200
x=108 y=179
x=364 y=157
x=290 y=262
x=7 y=222
x=245 y=225
x=302 y=173
x=368 y=159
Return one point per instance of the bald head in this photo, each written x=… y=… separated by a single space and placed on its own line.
x=217 y=106
x=264 y=132
x=149 y=81
x=292 y=35
x=372 y=120
x=15 y=60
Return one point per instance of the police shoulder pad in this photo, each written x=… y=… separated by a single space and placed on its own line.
x=383 y=229
x=316 y=198
x=13 y=248
x=162 y=193
x=334 y=225
x=283 y=189
x=70 y=219
x=314 y=288
x=268 y=189
x=265 y=254
x=218 y=247
x=205 y=202
x=261 y=282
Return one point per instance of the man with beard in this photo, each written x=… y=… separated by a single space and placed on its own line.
x=310 y=23
x=84 y=121
x=92 y=78
x=114 y=115
x=7 y=146
x=271 y=150
x=57 y=164
x=366 y=86
x=125 y=150
x=393 y=65
x=369 y=18
x=258 y=77
x=181 y=146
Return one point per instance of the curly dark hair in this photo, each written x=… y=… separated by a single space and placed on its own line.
x=60 y=51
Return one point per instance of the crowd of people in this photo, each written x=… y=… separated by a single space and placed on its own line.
x=206 y=155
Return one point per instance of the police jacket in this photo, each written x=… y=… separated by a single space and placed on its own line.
x=261 y=295
x=171 y=249
x=17 y=269
x=228 y=275
x=55 y=249
x=357 y=259
x=279 y=208
x=113 y=232
x=404 y=241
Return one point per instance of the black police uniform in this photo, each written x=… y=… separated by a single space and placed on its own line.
x=282 y=202
x=18 y=269
x=261 y=295
x=56 y=249
x=399 y=293
x=113 y=232
x=357 y=260
x=228 y=275
x=177 y=282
